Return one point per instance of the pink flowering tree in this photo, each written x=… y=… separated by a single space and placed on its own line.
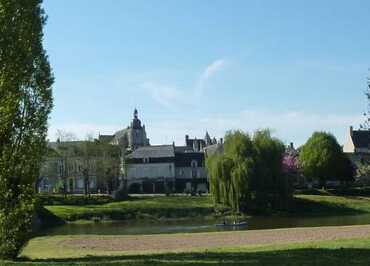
x=290 y=163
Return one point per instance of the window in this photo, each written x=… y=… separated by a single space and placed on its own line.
x=194 y=164
x=80 y=183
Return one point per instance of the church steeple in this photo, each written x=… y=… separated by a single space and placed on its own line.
x=136 y=123
x=208 y=139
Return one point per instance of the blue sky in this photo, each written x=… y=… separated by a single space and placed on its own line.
x=191 y=66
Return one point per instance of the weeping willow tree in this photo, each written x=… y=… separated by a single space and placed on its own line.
x=248 y=172
x=229 y=172
x=270 y=187
x=213 y=167
x=240 y=175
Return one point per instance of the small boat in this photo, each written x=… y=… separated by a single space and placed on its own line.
x=233 y=224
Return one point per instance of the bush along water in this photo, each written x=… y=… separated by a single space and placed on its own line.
x=16 y=212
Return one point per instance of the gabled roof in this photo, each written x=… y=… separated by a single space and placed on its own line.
x=361 y=138
x=160 y=151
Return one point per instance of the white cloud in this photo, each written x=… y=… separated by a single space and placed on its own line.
x=213 y=68
x=170 y=96
x=207 y=74
x=165 y=95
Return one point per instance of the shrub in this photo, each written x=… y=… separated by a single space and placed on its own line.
x=16 y=210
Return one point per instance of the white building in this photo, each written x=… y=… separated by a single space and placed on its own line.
x=357 y=142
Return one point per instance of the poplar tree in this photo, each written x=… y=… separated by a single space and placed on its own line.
x=25 y=105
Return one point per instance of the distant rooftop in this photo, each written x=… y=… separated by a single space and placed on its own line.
x=158 y=151
x=361 y=138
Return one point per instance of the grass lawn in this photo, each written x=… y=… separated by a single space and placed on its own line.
x=156 y=207
x=338 y=252
x=137 y=207
x=344 y=252
x=325 y=205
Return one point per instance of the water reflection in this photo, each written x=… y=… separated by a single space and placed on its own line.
x=200 y=225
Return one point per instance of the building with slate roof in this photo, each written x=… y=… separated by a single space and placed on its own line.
x=357 y=147
x=143 y=168
x=358 y=141
x=190 y=171
x=150 y=169
x=166 y=168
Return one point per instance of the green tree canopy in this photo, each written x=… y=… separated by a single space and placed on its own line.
x=248 y=174
x=270 y=185
x=25 y=104
x=321 y=158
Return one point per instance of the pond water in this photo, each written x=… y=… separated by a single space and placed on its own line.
x=201 y=225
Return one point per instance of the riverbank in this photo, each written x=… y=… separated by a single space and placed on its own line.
x=324 y=247
x=300 y=246
x=135 y=208
x=80 y=210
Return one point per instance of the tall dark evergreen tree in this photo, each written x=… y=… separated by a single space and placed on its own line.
x=25 y=104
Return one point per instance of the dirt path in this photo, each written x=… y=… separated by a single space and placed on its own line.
x=186 y=242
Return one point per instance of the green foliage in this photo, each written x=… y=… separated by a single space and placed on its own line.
x=133 y=208
x=272 y=188
x=25 y=104
x=364 y=169
x=322 y=158
x=57 y=199
x=346 y=170
x=17 y=208
x=108 y=167
x=229 y=172
x=249 y=172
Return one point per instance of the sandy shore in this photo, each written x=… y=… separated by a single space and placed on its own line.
x=187 y=242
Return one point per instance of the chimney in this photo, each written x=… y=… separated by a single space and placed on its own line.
x=291 y=145
x=351 y=131
x=221 y=141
